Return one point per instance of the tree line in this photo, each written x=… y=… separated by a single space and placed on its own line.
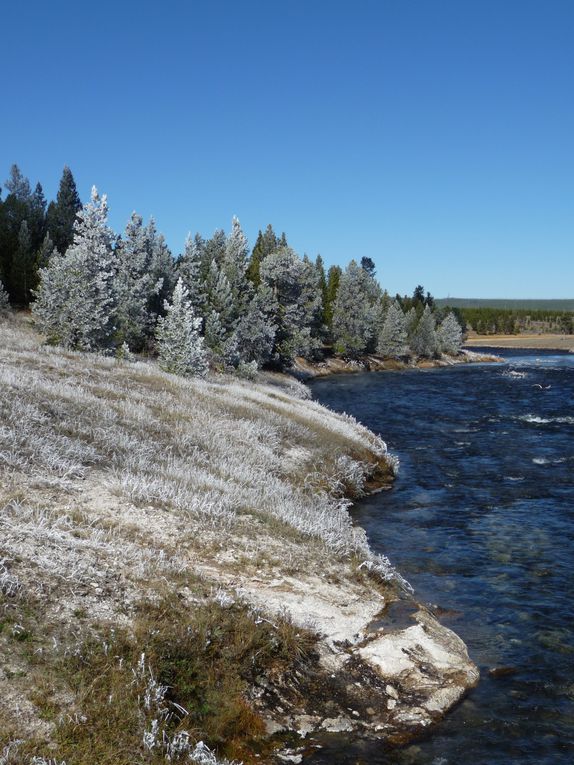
x=218 y=302
x=491 y=321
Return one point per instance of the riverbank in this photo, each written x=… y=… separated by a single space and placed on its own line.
x=178 y=563
x=542 y=342
x=303 y=369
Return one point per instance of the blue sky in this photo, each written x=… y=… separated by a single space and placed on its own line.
x=435 y=136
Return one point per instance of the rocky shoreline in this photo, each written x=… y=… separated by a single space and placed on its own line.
x=305 y=370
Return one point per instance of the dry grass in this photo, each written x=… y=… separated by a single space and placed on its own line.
x=122 y=485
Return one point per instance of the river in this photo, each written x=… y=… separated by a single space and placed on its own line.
x=481 y=523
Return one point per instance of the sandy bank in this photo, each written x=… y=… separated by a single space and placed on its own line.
x=547 y=341
x=125 y=490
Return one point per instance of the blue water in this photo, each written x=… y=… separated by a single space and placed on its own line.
x=481 y=522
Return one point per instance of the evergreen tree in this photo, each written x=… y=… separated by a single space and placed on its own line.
x=449 y=335
x=135 y=286
x=356 y=312
x=412 y=321
x=162 y=269
x=18 y=185
x=294 y=303
x=234 y=266
x=214 y=249
x=44 y=253
x=322 y=282
x=267 y=242
x=37 y=217
x=424 y=340
x=180 y=346
x=76 y=298
x=61 y=214
x=23 y=267
x=255 y=332
x=15 y=209
x=368 y=265
x=333 y=279
x=220 y=317
x=393 y=339
x=4 y=302
x=189 y=271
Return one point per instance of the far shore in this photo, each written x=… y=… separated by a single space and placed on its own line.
x=542 y=341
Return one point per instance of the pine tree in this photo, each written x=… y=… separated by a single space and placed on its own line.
x=162 y=269
x=333 y=279
x=180 y=346
x=23 y=267
x=189 y=271
x=61 y=214
x=322 y=282
x=356 y=312
x=220 y=317
x=136 y=286
x=393 y=339
x=37 y=217
x=294 y=302
x=267 y=242
x=45 y=252
x=75 y=303
x=234 y=266
x=449 y=335
x=18 y=185
x=4 y=302
x=255 y=332
x=424 y=340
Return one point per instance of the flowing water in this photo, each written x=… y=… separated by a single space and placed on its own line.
x=481 y=522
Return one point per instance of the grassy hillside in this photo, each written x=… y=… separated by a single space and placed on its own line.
x=178 y=565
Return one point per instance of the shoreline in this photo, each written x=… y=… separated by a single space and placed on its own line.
x=526 y=341
x=305 y=370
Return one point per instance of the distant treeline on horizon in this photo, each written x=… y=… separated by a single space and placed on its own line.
x=511 y=304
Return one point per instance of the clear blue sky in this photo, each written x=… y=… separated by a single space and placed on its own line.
x=435 y=136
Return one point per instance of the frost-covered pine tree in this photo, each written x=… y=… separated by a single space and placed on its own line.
x=356 y=311
x=294 y=303
x=255 y=331
x=393 y=339
x=424 y=340
x=220 y=319
x=45 y=252
x=136 y=286
x=234 y=266
x=449 y=335
x=162 y=266
x=180 y=346
x=189 y=271
x=76 y=299
x=4 y=302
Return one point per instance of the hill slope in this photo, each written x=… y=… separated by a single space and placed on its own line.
x=177 y=564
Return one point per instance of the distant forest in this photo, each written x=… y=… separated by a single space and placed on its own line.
x=512 y=317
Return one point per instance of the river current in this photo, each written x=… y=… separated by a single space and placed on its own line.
x=481 y=522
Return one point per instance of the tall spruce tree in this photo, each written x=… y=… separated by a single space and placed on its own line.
x=61 y=214
x=76 y=298
x=16 y=209
x=356 y=312
x=333 y=279
x=162 y=268
x=393 y=339
x=294 y=302
x=23 y=274
x=449 y=335
x=234 y=266
x=136 y=286
x=424 y=340
x=180 y=347
x=190 y=272
x=267 y=242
